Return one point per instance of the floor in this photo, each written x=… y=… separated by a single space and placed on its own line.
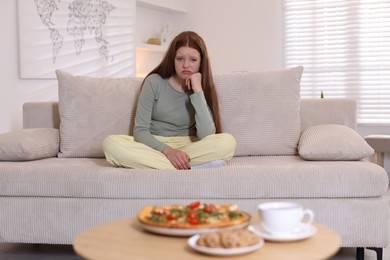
x=61 y=252
x=49 y=252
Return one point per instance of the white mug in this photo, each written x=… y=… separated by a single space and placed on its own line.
x=283 y=218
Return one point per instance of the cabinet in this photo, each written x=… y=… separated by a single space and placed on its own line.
x=148 y=56
x=152 y=48
x=152 y=16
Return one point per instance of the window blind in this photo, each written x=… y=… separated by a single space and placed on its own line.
x=344 y=47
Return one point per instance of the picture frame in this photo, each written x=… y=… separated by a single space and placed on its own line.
x=87 y=37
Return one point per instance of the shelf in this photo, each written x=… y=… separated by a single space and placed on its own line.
x=168 y=6
x=152 y=48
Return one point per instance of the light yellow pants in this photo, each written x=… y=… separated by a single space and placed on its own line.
x=123 y=151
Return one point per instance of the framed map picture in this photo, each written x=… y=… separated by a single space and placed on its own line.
x=85 y=37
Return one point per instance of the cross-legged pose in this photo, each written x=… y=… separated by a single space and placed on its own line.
x=177 y=124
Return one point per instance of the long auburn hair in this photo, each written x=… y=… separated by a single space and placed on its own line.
x=166 y=69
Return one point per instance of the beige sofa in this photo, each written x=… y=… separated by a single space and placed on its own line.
x=55 y=182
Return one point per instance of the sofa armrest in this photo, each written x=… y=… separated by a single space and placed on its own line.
x=41 y=115
x=340 y=111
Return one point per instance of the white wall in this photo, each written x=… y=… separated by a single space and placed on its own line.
x=14 y=91
x=240 y=35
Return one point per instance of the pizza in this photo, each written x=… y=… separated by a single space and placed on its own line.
x=193 y=216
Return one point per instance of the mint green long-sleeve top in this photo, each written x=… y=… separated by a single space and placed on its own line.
x=163 y=111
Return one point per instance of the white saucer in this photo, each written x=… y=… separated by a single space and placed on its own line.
x=304 y=232
x=223 y=251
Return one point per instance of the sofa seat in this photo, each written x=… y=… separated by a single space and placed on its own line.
x=262 y=176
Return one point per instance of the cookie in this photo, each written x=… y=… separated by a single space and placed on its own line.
x=211 y=240
x=238 y=238
x=202 y=240
x=231 y=239
x=247 y=237
x=253 y=238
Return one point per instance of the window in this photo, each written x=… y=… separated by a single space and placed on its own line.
x=344 y=47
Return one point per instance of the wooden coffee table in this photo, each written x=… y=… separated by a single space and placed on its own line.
x=125 y=239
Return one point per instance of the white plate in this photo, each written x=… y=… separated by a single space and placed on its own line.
x=188 y=231
x=304 y=232
x=222 y=251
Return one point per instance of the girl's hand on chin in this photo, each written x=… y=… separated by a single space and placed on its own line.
x=194 y=82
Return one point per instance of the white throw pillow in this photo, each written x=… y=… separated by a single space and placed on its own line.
x=261 y=110
x=93 y=108
x=29 y=144
x=333 y=143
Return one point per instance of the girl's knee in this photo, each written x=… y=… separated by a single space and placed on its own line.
x=229 y=140
x=106 y=142
x=112 y=143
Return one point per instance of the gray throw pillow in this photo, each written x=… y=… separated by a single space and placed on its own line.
x=261 y=110
x=29 y=144
x=93 y=108
x=333 y=143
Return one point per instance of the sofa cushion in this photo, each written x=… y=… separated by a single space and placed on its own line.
x=333 y=143
x=29 y=144
x=261 y=110
x=93 y=108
